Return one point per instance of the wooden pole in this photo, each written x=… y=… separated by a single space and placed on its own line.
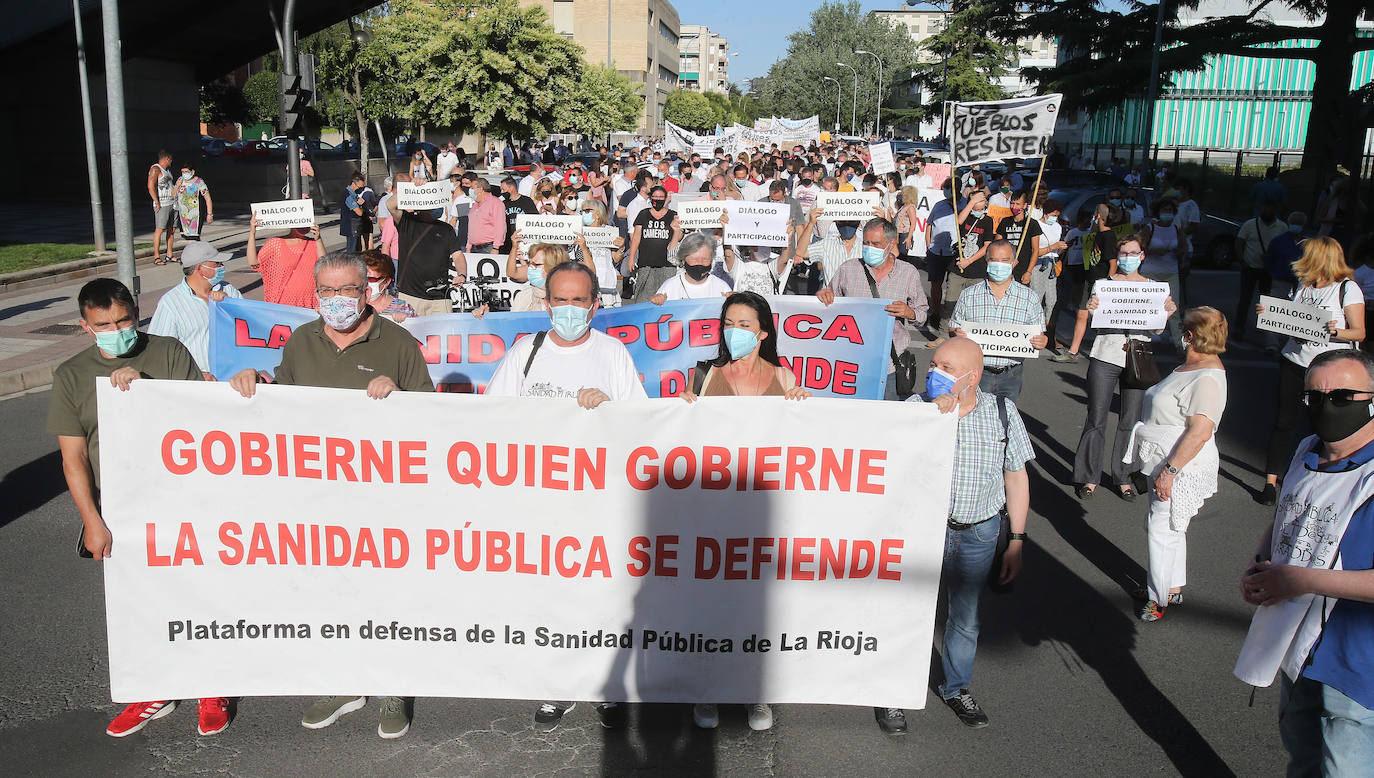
x=1034 y=192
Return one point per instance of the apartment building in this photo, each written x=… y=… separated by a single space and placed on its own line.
x=704 y=64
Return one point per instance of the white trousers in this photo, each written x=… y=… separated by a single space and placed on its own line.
x=1167 y=567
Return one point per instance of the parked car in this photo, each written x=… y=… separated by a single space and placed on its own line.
x=245 y=149
x=407 y=148
x=212 y=147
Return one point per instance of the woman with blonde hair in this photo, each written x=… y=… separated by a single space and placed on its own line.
x=1324 y=281
x=536 y=266
x=601 y=259
x=906 y=222
x=1174 y=445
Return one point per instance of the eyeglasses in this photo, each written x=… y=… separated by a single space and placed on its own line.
x=1130 y=255
x=1339 y=398
x=375 y=279
x=352 y=290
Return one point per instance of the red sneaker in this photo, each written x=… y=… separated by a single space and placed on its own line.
x=214 y=715
x=137 y=716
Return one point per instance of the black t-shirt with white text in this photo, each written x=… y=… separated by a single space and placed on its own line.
x=1011 y=230
x=654 y=237
x=975 y=232
x=521 y=204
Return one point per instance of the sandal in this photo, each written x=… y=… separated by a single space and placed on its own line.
x=1084 y=491
x=160 y=261
x=1127 y=492
x=1151 y=611
x=1175 y=598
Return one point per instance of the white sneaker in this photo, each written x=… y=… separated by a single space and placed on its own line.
x=760 y=716
x=705 y=715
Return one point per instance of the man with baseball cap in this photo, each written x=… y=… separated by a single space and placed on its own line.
x=183 y=312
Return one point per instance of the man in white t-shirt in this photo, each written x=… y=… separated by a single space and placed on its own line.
x=917 y=176
x=1252 y=244
x=624 y=181
x=533 y=177
x=447 y=161
x=697 y=252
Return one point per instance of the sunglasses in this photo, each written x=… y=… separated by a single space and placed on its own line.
x=1339 y=398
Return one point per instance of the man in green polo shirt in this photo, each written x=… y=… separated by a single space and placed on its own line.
x=123 y=355
x=349 y=347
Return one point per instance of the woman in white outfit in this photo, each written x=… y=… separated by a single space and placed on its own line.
x=1175 y=446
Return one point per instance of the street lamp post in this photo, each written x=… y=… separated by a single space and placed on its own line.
x=878 y=121
x=837 y=102
x=854 y=109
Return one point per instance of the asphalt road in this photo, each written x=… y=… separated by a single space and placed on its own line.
x=1072 y=682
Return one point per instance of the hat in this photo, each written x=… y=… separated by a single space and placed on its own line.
x=198 y=251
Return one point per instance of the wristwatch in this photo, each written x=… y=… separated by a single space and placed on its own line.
x=1170 y=469
x=1016 y=536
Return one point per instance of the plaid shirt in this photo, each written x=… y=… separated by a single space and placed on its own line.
x=902 y=283
x=982 y=453
x=978 y=304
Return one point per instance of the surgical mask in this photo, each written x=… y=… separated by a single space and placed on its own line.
x=1128 y=265
x=1334 y=422
x=1115 y=201
x=939 y=382
x=978 y=214
x=570 y=322
x=1129 y=202
x=696 y=272
x=999 y=271
x=588 y=218
x=1295 y=228
x=1017 y=210
x=740 y=342
x=340 y=312
x=874 y=255
x=846 y=230
x=187 y=176
x=117 y=343
x=575 y=180
x=1166 y=218
x=218 y=277
x=375 y=289
x=535 y=277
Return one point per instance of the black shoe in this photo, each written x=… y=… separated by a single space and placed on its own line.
x=891 y=720
x=1127 y=492
x=550 y=713
x=1269 y=495
x=612 y=714
x=1084 y=491
x=966 y=708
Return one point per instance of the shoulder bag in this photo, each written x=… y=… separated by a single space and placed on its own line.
x=1142 y=371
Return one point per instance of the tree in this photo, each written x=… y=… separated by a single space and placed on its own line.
x=221 y=103
x=964 y=62
x=602 y=102
x=794 y=85
x=689 y=110
x=260 y=96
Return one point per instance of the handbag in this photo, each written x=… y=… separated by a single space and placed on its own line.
x=903 y=364
x=1142 y=371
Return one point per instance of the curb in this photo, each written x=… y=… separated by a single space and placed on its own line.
x=17 y=382
x=65 y=271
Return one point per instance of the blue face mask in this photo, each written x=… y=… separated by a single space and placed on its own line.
x=588 y=218
x=117 y=343
x=939 y=382
x=846 y=231
x=1296 y=229
x=218 y=277
x=740 y=342
x=570 y=322
x=1128 y=265
x=1130 y=202
x=874 y=256
x=999 y=271
x=1166 y=218
x=536 y=277
x=1115 y=201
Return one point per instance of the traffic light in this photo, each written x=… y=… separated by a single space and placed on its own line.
x=294 y=100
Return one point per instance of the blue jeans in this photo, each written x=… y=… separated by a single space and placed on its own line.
x=1325 y=732
x=1005 y=384
x=968 y=559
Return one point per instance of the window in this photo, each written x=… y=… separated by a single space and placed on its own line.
x=562 y=17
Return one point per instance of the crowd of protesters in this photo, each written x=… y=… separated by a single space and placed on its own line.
x=994 y=249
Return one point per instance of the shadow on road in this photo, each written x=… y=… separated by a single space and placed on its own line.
x=30 y=485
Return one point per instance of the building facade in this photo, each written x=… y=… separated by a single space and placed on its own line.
x=639 y=38
x=704 y=60
x=922 y=22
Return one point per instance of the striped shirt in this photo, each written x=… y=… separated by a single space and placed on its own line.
x=983 y=453
x=902 y=283
x=182 y=315
x=1017 y=306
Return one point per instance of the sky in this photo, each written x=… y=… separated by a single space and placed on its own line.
x=758 y=29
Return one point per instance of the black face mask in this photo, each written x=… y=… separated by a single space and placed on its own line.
x=697 y=272
x=657 y=204
x=847 y=230
x=806 y=182
x=1334 y=422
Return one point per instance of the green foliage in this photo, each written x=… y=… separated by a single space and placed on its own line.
x=260 y=96
x=794 y=86
x=963 y=62
x=602 y=102
x=221 y=103
x=689 y=110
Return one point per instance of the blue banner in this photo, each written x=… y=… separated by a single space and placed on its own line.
x=840 y=350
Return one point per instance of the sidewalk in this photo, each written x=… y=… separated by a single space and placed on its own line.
x=38 y=321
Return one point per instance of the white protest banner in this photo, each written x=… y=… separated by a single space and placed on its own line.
x=846 y=206
x=880 y=158
x=549 y=552
x=600 y=237
x=707 y=147
x=756 y=224
x=437 y=194
x=284 y=214
x=1002 y=129
x=701 y=214
x=1004 y=340
x=1304 y=322
x=542 y=228
x=487 y=284
x=1127 y=305
x=925 y=200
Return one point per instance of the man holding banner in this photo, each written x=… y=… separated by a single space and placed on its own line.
x=1000 y=300
x=349 y=347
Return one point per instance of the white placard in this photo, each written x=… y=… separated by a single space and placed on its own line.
x=628 y=526
x=848 y=206
x=707 y=148
x=679 y=199
x=925 y=201
x=1002 y=129
x=600 y=237
x=701 y=214
x=1004 y=340
x=1128 y=305
x=284 y=214
x=756 y=224
x=536 y=228
x=880 y=158
x=437 y=194
x=1304 y=322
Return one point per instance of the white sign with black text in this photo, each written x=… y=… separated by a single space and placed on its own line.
x=542 y=228
x=1002 y=129
x=284 y=214
x=1004 y=340
x=847 y=206
x=880 y=158
x=1304 y=322
x=756 y=224
x=1130 y=305
x=701 y=214
x=410 y=197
